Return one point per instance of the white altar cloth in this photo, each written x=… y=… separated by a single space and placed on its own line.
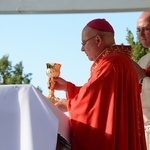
x=28 y=120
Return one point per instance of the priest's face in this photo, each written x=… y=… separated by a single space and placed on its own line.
x=89 y=44
x=143 y=29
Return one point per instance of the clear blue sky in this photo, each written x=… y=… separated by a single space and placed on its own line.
x=38 y=39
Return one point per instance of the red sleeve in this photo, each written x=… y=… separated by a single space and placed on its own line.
x=72 y=90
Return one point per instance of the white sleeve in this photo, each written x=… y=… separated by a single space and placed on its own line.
x=145 y=97
x=146 y=84
x=144 y=62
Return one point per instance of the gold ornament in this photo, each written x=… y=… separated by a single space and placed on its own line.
x=53 y=71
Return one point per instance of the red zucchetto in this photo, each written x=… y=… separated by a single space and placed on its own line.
x=101 y=25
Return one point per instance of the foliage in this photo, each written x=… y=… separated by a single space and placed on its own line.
x=39 y=89
x=13 y=74
x=137 y=49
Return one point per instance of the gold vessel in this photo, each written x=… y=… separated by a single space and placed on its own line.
x=53 y=71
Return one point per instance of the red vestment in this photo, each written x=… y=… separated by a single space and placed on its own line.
x=106 y=113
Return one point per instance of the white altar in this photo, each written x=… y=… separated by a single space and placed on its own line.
x=28 y=120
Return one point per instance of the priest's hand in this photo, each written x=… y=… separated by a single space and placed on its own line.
x=60 y=84
x=62 y=105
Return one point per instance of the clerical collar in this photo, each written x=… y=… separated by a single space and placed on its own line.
x=112 y=49
x=103 y=52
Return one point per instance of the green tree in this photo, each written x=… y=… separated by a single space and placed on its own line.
x=39 y=89
x=13 y=74
x=137 y=49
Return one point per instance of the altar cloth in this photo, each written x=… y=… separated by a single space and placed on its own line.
x=28 y=120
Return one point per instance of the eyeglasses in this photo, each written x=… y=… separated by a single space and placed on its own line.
x=84 y=42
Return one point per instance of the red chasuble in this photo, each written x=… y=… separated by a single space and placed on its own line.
x=106 y=112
